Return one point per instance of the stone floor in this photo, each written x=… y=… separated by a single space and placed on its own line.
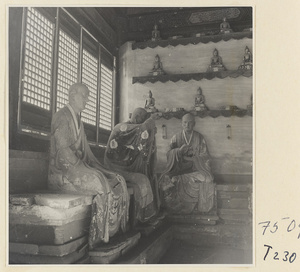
x=181 y=252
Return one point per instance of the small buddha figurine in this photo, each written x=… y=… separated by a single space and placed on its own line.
x=216 y=63
x=157 y=67
x=150 y=103
x=247 y=60
x=199 y=101
x=225 y=27
x=155 y=33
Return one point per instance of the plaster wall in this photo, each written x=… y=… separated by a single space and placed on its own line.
x=232 y=156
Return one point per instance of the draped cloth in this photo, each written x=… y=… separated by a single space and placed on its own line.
x=74 y=168
x=186 y=185
x=131 y=151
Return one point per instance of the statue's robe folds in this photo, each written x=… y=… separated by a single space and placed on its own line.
x=131 y=151
x=186 y=185
x=74 y=168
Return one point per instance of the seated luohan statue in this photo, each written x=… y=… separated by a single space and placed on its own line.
x=186 y=186
x=73 y=167
x=131 y=150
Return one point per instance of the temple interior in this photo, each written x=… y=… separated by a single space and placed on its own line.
x=170 y=62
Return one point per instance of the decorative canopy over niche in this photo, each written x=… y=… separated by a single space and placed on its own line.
x=192 y=40
x=196 y=76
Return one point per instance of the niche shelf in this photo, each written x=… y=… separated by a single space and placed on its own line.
x=211 y=113
x=193 y=40
x=194 y=76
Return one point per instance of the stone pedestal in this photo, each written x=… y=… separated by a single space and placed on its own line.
x=118 y=246
x=49 y=228
x=150 y=248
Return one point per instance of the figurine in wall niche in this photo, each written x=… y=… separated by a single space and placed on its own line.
x=216 y=63
x=247 y=60
x=150 y=103
x=225 y=27
x=157 y=67
x=155 y=33
x=199 y=101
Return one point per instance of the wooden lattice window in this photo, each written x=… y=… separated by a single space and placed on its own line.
x=37 y=60
x=67 y=72
x=90 y=78
x=106 y=97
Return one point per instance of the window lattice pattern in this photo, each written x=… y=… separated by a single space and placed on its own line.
x=89 y=77
x=67 y=67
x=106 y=97
x=38 y=60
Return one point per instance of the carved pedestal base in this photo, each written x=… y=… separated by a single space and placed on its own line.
x=149 y=227
x=246 y=66
x=216 y=69
x=227 y=31
x=158 y=73
x=118 y=246
x=150 y=248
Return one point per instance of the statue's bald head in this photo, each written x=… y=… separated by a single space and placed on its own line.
x=139 y=116
x=76 y=87
x=188 y=122
x=78 y=97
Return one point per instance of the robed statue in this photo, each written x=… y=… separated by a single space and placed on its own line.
x=186 y=185
x=74 y=168
x=131 y=151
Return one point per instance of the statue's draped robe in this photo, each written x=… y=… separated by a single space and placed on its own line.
x=73 y=167
x=131 y=151
x=186 y=185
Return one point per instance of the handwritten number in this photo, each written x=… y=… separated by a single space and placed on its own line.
x=275 y=256
x=292 y=258
x=285 y=257
x=290 y=225
x=266 y=226
x=275 y=226
x=269 y=247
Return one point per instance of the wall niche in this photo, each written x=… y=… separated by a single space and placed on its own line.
x=229 y=156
